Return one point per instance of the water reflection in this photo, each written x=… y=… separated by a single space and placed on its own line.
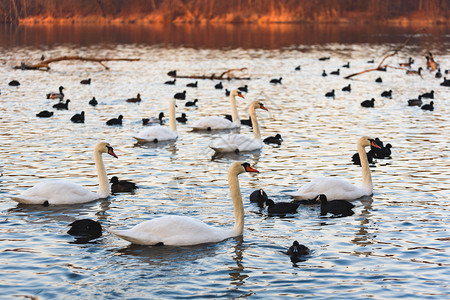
x=246 y=36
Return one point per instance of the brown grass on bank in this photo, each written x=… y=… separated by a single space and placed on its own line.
x=220 y=11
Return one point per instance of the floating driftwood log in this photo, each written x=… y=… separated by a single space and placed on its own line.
x=44 y=65
x=240 y=74
x=381 y=66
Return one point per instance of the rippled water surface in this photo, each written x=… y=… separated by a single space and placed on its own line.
x=396 y=245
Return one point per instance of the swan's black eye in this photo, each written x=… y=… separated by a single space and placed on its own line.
x=245 y=165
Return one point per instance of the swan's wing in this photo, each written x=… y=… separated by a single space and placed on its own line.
x=333 y=188
x=161 y=133
x=56 y=192
x=172 y=230
x=213 y=123
x=233 y=142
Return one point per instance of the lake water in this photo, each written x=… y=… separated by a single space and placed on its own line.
x=396 y=245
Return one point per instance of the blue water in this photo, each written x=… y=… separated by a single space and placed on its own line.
x=396 y=245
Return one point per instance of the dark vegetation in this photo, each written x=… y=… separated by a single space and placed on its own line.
x=138 y=11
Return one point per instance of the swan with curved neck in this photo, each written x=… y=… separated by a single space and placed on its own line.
x=338 y=189
x=241 y=142
x=218 y=123
x=55 y=192
x=187 y=231
x=160 y=133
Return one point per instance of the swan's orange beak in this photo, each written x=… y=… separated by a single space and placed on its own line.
x=111 y=152
x=263 y=107
x=250 y=169
x=240 y=95
x=373 y=144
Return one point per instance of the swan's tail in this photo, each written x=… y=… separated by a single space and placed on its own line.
x=136 y=237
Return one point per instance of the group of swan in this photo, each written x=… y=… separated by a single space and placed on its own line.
x=181 y=230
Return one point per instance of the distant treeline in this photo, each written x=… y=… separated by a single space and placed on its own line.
x=16 y=11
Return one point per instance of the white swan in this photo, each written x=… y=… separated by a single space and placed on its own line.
x=240 y=142
x=160 y=133
x=65 y=192
x=217 y=123
x=186 y=231
x=335 y=188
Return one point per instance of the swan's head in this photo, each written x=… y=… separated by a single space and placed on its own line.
x=366 y=141
x=241 y=167
x=104 y=147
x=235 y=93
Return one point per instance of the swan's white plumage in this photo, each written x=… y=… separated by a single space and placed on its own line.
x=220 y=123
x=56 y=192
x=160 y=133
x=213 y=123
x=235 y=142
x=65 y=192
x=241 y=142
x=173 y=230
x=186 y=231
x=338 y=189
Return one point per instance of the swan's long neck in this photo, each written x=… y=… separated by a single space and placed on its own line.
x=256 y=132
x=367 y=178
x=103 y=185
x=238 y=206
x=172 y=120
x=234 y=112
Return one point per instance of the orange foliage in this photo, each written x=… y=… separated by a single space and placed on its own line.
x=222 y=11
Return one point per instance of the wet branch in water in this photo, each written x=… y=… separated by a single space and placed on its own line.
x=44 y=65
x=382 y=67
x=226 y=75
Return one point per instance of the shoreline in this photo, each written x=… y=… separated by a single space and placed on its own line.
x=157 y=19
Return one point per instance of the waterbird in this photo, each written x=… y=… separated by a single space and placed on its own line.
x=192 y=84
x=175 y=230
x=78 y=118
x=180 y=96
x=335 y=188
x=62 y=105
x=86 y=81
x=335 y=207
x=191 y=103
x=281 y=207
x=56 y=192
x=347 y=88
x=93 y=101
x=330 y=94
x=55 y=95
x=368 y=103
x=277 y=139
x=218 y=86
x=298 y=249
x=14 y=83
x=121 y=186
x=170 y=82
x=154 y=120
x=44 y=114
x=135 y=99
x=115 y=121
x=259 y=196
x=429 y=107
x=243 y=88
x=276 y=80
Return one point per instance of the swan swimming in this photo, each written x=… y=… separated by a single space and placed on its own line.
x=338 y=189
x=55 y=192
x=240 y=142
x=217 y=123
x=187 y=231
